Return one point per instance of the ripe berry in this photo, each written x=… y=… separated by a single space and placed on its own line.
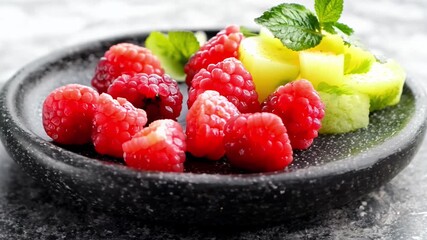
x=158 y=95
x=67 y=113
x=124 y=58
x=159 y=147
x=224 y=45
x=230 y=79
x=257 y=142
x=205 y=125
x=301 y=110
x=114 y=123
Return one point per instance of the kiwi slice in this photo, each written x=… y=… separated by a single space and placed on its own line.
x=345 y=111
x=383 y=83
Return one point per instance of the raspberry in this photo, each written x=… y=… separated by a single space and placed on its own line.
x=159 y=147
x=205 y=124
x=224 y=45
x=301 y=110
x=124 y=58
x=158 y=95
x=257 y=142
x=67 y=114
x=230 y=79
x=114 y=123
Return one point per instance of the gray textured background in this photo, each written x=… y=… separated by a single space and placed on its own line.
x=31 y=29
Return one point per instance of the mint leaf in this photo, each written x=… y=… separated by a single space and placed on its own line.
x=328 y=13
x=173 y=50
x=158 y=43
x=332 y=28
x=329 y=10
x=344 y=28
x=185 y=45
x=296 y=26
x=329 y=27
x=247 y=32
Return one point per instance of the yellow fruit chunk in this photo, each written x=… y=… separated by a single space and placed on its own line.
x=332 y=43
x=318 y=67
x=357 y=60
x=270 y=63
x=383 y=84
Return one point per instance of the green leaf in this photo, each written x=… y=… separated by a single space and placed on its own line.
x=185 y=44
x=344 y=28
x=159 y=44
x=247 y=32
x=329 y=27
x=296 y=26
x=173 y=50
x=329 y=10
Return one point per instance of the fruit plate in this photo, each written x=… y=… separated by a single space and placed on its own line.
x=335 y=170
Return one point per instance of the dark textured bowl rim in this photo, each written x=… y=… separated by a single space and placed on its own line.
x=76 y=161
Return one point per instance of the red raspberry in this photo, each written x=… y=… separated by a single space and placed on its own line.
x=301 y=110
x=230 y=78
x=124 y=58
x=114 y=123
x=67 y=113
x=205 y=124
x=257 y=142
x=158 y=95
x=159 y=147
x=224 y=45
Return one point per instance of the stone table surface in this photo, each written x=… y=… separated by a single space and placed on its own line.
x=31 y=29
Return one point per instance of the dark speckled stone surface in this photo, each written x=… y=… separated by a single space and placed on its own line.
x=29 y=211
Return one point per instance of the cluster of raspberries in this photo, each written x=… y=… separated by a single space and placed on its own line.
x=131 y=112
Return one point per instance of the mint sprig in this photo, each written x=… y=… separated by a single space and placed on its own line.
x=247 y=32
x=298 y=28
x=328 y=10
x=173 y=50
x=344 y=28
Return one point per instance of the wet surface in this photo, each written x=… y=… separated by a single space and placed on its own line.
x=34 y=28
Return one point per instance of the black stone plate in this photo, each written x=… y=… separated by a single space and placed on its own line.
x=334 y=171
